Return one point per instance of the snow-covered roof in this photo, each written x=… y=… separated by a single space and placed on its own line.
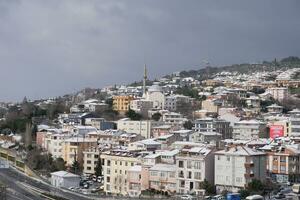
x=240 y=151
x=64 y=174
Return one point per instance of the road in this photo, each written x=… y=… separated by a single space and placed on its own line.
x=21 y=187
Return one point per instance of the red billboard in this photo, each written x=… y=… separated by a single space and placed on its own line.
x=276 y=131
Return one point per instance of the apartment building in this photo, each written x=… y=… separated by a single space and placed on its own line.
x=90 y=160
x=211 y=105
x=237 y=166
x=115 y=170
x=176 y=102
x=295 y=125
x=75 y=146
x=194 y=165
x=283 y=163
x=122 y=103
x=141 y=106
x=278 y=93
x=163 y=178
x=143 y=127
x=249 y=129
x=209 y=124
x=134 y=181
x=54 y=144
x=174 y=119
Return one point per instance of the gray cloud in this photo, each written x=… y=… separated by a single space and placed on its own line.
x=48 y=48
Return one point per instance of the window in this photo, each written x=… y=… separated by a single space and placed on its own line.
x=239 y=179
x=89 y=162
x=182 y=183
x=181 y=174
x=282 y=168
x=180 y=164
x=107 y=187
x=108 y=179
x=197 y=165
x=153 y=173
x=190 y=175
x=172 y=175
x=228 y=158
x=163 y=174
x=108 y=162
x=96 y=156
x=197 y=175
x=189 y=164
x=218 y=157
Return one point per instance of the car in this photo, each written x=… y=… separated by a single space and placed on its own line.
x=186 y=197
x=279 y=196
x=84 y=191
x=218 y=197
x=71 y=188
x=86 y=186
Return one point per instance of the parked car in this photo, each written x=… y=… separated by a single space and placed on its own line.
x=187 y=197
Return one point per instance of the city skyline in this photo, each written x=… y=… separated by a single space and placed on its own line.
x=51 y=48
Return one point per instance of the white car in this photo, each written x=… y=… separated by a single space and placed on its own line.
x=186 y=197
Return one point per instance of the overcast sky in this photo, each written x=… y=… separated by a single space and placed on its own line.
x=49 y=48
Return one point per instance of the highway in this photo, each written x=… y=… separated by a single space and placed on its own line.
x=21 y=187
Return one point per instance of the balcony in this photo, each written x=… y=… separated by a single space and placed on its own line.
x=249 y=165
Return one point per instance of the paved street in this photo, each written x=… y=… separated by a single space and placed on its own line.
x=21 y=187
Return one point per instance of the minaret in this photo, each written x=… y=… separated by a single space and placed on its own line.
x=144 y=80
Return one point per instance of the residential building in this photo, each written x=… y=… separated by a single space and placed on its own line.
x=163 y=178
x=278 y=93
x=249 y=129
x=73 y=148
x=115 y=170
x=237 y=166
x=211 y=105
x=283 y=163
x=122 y=103
x=143 y=127
x=213 y=125
x=174 y=119
x=134 y=181
x=274 y=108
x=176 y=103
x=194 y=165
x=141 y=106
x=90 y=160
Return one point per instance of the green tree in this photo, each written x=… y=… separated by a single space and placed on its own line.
x=209 y=188
x=133 y=115
x=188 y=125
x=98 y=168
x=156 y=116
x=244 y=193
x=75 y=168
x=58 y=165
x=255 y=185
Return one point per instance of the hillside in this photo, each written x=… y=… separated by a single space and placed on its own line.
x=289 y=62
